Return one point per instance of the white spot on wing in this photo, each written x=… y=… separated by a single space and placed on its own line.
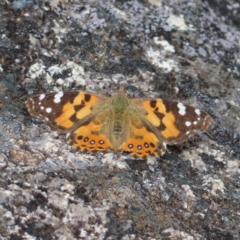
x=195 y=122
x=48 y=110
x=197 y=111
x=57 y=97
x=67 y=135
x=42 y=107
x=188 y=124
x=41 y=97
x=182 y=109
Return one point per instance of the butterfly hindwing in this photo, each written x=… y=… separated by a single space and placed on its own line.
x=143 y=143
x=88 y=137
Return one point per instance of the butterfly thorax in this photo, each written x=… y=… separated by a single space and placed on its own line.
x=120 y=102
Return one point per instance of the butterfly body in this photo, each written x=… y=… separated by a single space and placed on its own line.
x=118 y=120
x=141 y=127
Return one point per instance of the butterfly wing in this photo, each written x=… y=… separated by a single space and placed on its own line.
x=74 y=113
x=157 y=122
x=142 y=142
x=89 y=137
x=61 y=110
x=175 y=121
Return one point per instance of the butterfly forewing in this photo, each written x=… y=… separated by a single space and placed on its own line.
x=62 y=110
x=175 y=121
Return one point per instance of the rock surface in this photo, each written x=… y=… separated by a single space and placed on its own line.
x=182 y=50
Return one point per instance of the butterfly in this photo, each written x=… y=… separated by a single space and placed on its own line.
x=141 y=127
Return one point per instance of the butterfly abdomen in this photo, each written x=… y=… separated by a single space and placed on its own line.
x=119 y=104
x=117 y=128
x=118 y=124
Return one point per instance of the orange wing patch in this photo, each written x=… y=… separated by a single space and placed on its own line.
x=142 y=144
x=76 y=109
x=89 y=138
x=161 y=118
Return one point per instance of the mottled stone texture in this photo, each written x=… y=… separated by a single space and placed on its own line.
x=182 y=50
